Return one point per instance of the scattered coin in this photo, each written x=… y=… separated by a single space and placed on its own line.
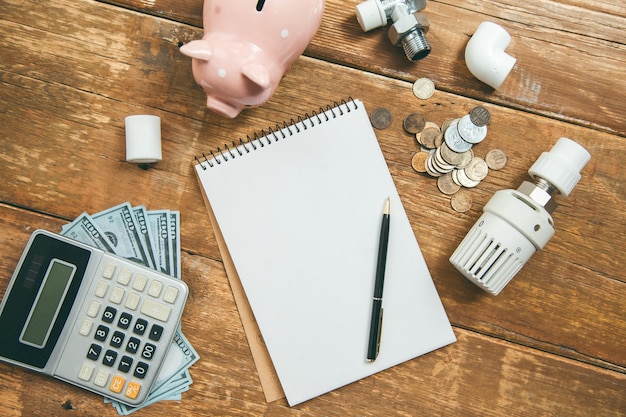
x=477 y=169
x=424 y=88
x=414 y=123
x=461 y=201
x=454 y=139
x=418 y=162
x=471 y=132
x=429 y=136
x=496 y=159
x=480 y=116
x=446 y=185
x=460 y=177
x=380 y=118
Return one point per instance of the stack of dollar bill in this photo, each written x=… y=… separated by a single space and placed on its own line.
x=150 y=238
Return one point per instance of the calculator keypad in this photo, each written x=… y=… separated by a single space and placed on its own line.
x=127 y=315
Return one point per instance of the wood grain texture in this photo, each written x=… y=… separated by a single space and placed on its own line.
x=550 y=344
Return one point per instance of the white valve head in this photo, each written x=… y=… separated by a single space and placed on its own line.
x=371 y=15
x=561 y=166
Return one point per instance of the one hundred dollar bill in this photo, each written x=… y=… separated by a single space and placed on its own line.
x=141 y=217
x=158 y=222
x=119 y=225
x=86 y=231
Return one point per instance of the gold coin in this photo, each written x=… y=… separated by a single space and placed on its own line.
x=414 y=123
x=418 y=162
x=380 y=118
x=446 y=185
x=461 y=201
x=496 y=159
x=424 y=88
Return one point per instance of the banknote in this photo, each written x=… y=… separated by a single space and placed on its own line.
x=119 y=225
x=159 y=224
x=141 y=217
x=175 y=242
x=85 y=230
x=152 y=238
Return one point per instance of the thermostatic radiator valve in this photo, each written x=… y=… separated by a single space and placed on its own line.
x=516 y=223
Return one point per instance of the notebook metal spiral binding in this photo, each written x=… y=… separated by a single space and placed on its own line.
x=271 y=135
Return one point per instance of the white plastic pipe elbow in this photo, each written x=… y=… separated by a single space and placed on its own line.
x=485 y=57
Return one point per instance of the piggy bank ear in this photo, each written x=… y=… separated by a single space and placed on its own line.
x=198 y=49
x=257 y=73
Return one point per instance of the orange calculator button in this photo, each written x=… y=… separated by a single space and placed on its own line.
x=117 y=383
x=133 y=390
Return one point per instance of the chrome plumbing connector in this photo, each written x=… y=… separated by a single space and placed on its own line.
x=408 y=26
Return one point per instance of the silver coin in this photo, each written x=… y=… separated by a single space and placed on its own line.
x=454 y=139
x=470 y=132
x=477 y=169
x=380 y=118
x=462 y=179
x=496 y=159
x=480 y=116
x=423 y=88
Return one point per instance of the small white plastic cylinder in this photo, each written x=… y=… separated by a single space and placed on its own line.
x=143 y=138
x=485 y=57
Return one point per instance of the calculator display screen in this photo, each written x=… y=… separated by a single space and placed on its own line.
x=40 y=299
x=48 y=302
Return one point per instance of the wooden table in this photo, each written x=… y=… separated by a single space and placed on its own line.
x=552 y=343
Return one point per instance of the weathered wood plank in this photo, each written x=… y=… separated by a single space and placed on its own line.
x=478 y=375
x=67 y=137
x=574 y=44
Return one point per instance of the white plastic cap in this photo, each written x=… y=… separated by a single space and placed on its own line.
x=485 y=57
x=143 y=138
x=562 y=165
x=371 y=15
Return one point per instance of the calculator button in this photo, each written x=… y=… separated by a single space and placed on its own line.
x=148 y=351
x=140 y=326
x=102 y=376
x=155 y=288
x=117 y=339
x=124 y=276
x=124 y=321
x=94 y=352
x=85 y=371
x=133 y=345
x=117 y=384
x=132 y=301
x=170 y=294
x=125 y=363
x=85 y=328
x=109 y=358
x=108 y=271
x=109 y=314
x=155 y=332
x=101 y=333
x=140 y=282
x=132 y=390
x=101 y=289
x=94 y=307
x=116 y=295
x=155 y=309
x=141 y=370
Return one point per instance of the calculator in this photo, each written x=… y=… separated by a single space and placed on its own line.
x=89 y=318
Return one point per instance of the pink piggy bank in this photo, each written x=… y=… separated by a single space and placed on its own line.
x=247 y=47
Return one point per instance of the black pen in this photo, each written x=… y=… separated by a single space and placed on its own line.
x=376 y=325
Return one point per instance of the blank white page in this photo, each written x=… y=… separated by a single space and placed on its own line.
x=301 y=218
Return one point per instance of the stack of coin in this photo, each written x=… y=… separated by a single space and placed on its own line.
x=448 y=156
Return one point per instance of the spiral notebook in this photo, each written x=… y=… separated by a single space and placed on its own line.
x=299 y=208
